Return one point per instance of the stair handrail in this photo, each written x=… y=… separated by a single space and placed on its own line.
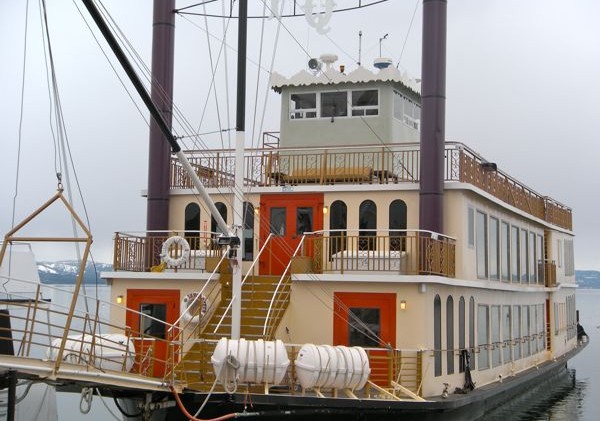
x=287 y=268
x=244 y=280
x=199 y=295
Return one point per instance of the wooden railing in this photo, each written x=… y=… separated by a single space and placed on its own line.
x=140 y=252
x=406 y=252
x=366 y=164
x=388 y=366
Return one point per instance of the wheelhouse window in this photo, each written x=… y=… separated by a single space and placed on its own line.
x=461 y=333
x=532 y=258
x=407 y=111
x=495 y=333
x=516 y=332
x=334 y=104
x=506 y=335
x=365 y=102
x=303 y=105
x=524 y=257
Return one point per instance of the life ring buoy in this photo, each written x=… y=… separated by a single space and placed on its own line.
x=180 y=243
x=193 y=309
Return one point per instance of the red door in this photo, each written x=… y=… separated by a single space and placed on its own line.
x=150 y=307
x=287 y=216
x=372 y=324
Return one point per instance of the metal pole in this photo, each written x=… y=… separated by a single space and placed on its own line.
x=238 y=200
x=433 y=114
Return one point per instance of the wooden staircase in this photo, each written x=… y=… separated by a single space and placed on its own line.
x=195 y=368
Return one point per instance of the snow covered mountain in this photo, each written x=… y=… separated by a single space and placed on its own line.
x=65 y=272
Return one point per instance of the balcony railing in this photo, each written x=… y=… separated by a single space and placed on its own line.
x=139 y=252
x=405 y=252
x=366 y=164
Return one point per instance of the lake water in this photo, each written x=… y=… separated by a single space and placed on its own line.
x=577 y=398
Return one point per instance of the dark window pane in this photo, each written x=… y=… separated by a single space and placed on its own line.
x=364 y=98
x=150 y=326
x=192 y=223
x=222 y=208
x=277 y=221
x=304 y=218
x=367 y=223
x=334 y=104
x=304 y=101
x=397 y=222
x=338 y=224
x=248 y=233
x=358 y=335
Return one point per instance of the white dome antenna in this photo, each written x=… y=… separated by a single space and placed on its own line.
x=328 y=59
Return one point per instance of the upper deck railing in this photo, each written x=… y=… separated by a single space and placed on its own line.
x=365 y=164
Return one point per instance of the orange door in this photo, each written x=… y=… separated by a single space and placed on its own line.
x=371 y=324
x=287 y=216
x=151 y=309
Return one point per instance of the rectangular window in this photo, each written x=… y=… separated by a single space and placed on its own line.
x=540 y=259
x=154 y=324
x=471 y=227
x=407 y=111
x=514 y=253
x=494 y=249
x=560 y=252
x=569 y=258
x=534 y=329
x=496 y=344
x=505 y=251
x=303 y=105
x=506 y=335
x=526 y=331
x=365 y=102
x=277 y=220
x=481 y=246
x=364 y=327
x=516 y=332
x=334 y=104
x=304 y=220
x=524 y=258
x=532 y=258
x=483 y=337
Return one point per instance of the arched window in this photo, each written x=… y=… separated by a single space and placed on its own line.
x=248 y=233
x=338 y=223
x=437 y=335
x=222 y=208
x=461 y=333
x=367 y=223
x=192 y=225
x=397 y=222
x=472 y=333
x=450 y=335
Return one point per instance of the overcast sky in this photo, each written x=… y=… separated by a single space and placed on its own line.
x=522 y=90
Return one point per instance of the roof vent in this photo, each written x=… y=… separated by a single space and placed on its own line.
x=382 y=62
x=328 y=59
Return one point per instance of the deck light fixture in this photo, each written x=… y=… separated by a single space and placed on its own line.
x=325 y=210
x=403 y=305
x=256 y=210
x=119 y=299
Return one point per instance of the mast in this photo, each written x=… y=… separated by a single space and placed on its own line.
x=163 y=47
x=238 y=197
x=433 y=115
